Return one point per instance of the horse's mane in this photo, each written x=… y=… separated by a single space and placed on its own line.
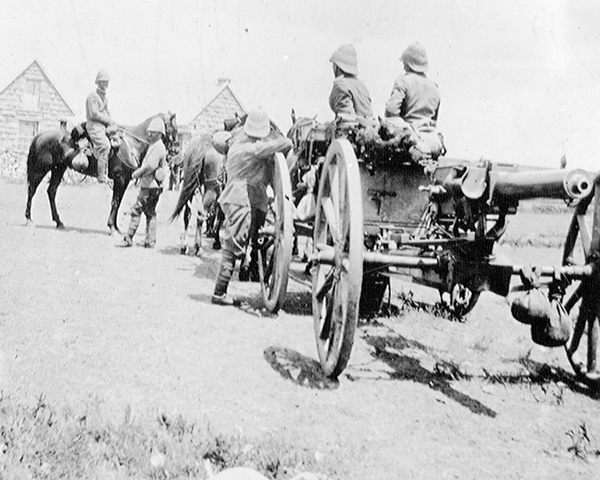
x=193 y=163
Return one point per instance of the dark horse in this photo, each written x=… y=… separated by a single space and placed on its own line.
x=55 y=151
x=202 y=176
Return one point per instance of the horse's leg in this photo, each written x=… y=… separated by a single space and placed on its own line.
x=119 y=187
x=198 y=233
x=33 y=183
x=186 y=222
x=199 y=216
x=219 y=219
x=55 y=179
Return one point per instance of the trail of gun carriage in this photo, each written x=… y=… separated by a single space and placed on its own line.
x=356 y=206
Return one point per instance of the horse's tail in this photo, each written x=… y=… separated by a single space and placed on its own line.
x=32 y=160
x=193 y=164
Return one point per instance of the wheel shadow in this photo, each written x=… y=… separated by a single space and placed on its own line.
x=394 y=351
x=298 y=369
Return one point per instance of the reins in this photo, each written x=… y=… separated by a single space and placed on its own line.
x=133 y=136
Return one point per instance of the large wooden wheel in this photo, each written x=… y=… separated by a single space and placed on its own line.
x=582 y=247
x=338 y=243
x=275 y=253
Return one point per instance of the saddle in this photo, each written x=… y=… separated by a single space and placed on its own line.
x=85 y=161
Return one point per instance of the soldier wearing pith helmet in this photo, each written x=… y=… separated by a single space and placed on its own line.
x=150 y=176
x=349 y=95
x=415 y=102
x=244 y=199
x=98 y=119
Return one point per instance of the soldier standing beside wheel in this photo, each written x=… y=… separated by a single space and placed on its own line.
x=244 y=199
x=414 y=103
x=98 y=119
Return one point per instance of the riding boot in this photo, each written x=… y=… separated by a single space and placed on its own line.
x=224 y=274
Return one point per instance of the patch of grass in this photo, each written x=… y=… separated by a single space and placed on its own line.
x=37 y=441
x=407 y=303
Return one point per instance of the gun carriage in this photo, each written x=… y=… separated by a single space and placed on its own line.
x=379 y=214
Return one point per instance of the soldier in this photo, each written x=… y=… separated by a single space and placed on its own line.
x=244 y=199
x=349 y=95
x=151 y=175
x=98 y=120
x=415 y=99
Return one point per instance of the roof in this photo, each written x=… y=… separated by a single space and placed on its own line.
x=219 y=94
x=47 y=78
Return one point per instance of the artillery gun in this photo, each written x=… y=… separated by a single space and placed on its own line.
x=435 y=223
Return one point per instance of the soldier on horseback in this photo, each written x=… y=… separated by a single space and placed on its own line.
x=98 y=120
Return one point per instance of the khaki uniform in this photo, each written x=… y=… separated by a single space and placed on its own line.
x=98 y=118
x=349 y=95
x=244 y=200
x=150 y=190
x=416 y=100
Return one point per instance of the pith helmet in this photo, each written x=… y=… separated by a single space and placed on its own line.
x=345 y=58
x=102 y=76
x=257 y=124
x=156 y=125
x=415 y=57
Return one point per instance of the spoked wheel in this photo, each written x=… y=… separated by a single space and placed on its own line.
x=461 y=300
x=275 y=253
x=582 y=246
x=338 y=270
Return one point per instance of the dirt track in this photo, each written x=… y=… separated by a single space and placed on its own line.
x=86 y=323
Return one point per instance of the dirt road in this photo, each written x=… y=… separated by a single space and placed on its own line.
x=86 y=323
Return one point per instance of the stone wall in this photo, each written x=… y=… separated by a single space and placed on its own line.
x=13 y=164
x=51 y=108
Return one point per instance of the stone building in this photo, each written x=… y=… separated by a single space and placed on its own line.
x=30 y=104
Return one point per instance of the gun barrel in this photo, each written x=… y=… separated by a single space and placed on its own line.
x=567 y=184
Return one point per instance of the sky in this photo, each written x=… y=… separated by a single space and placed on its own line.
x=518 y=78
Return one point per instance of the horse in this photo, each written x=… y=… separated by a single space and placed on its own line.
x=202 y=176
x=56 y=150
x=204 y=173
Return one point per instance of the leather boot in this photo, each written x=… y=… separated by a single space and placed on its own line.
x=224 y=274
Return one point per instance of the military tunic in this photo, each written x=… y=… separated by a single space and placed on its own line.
x=414 y=98
x=349 y=95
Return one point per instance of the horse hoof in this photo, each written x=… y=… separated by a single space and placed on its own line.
x=217 y=245
x=60 y=226
x=182 y=251
x=29 y=223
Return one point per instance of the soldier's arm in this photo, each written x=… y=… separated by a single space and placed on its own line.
x=393 y=106
x=341 y=101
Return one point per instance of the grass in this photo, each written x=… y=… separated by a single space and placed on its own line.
x=37 y=441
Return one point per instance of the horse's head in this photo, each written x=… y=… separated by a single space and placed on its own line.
x=77 y=133
x=300 y=129
x=170 y=121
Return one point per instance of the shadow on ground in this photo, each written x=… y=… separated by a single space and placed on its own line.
x=298 y=368
x=390 y=349
x=85 y=231
x=298 y=303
